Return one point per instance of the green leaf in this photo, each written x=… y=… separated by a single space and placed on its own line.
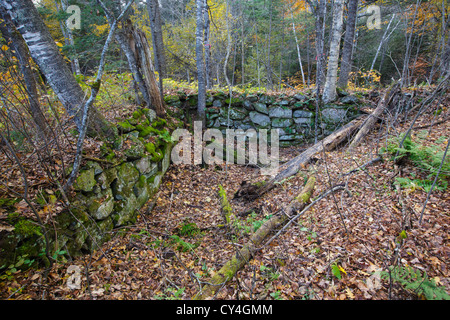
x=336 y=271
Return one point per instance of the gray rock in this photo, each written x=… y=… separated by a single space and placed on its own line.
x=302 y=120
x=302 y=114
x=217 y=103
x=259 y=119
x=349 y=100
x=102 y=206
x=266 y=99
x=222 y=122
x=237 y=114
x=145 y=165
x=248 y=105
x=261 y=107
x=334 y=115
x=286 y=131
x=290 y=137
x=281 y=122
x=244 y=125
x=300 y=97
x=280 y=112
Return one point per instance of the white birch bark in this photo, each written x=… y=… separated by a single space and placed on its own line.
x=329 y=92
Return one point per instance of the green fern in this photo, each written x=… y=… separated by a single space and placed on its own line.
x=413 y=280
x=425 y=157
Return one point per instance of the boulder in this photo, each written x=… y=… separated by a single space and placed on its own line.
x=281 y=122
x=303 y=114
x=259 y=119
x=261 y=107
x=280 y=112
x=85 y=180
x=334 y=115
x=237 y=114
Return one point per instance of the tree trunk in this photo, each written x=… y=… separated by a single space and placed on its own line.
x=445 y=68
x=207 y=34
x=346 y=59
x=74 y=61
x=373 y=118
x=252 y=191
x=125 y=39
x=144 y=59
x=157 y=40
x=10 y=34
x=200 y=61
x=329 y=91
x=227 y=272
x=298 y=50
x=46 y=54
x=383 y=40
x=319 y=12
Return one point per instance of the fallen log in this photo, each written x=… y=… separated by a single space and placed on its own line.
x=227 y=272
x=251 y=191
x=374 y=116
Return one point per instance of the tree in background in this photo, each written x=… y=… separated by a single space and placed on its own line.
x=157 y=39
x=347 y=49
x=199 y=50
x=20 y=50
x=329 y=91
x=46 y=54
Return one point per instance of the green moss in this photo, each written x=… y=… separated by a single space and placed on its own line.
x=142 y=181
x=85 y=180
x=125 y=126
x=233 y=101
x=27 y=228
x=156 y=153
x=8 y=202
x=137 y=114
x=159 y=123
x=147 y=130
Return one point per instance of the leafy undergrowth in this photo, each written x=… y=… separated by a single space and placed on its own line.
x=341 y=248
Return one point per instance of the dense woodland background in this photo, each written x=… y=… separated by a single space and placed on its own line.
x=63 y=90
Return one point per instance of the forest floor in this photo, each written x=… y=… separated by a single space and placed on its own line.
x=336 y=250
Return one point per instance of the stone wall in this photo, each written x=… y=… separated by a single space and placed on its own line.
x=293 y=116
x=107 y=194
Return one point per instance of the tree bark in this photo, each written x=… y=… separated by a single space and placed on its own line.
x=145 y=62
x=252 y=191
x=10 y=34
x=125 y=39
x=157 y=40
x=227 y=272
x=329 y=90
x=200 y=61
x=374 y=116
x=68 y=34
x=298 y=49
x=207 y=45
x=46 y=54
x=346 y=59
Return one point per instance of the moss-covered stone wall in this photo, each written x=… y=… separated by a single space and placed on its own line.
x=107 y=194
x=293 y=116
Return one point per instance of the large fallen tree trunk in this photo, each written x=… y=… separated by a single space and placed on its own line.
x=227 y=272
x=373 y=118
x=250 y=191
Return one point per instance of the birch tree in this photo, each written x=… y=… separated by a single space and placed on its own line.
x=46 y=54
x=157 y=39
x=329 y=91
x=20 y=50
x=201 y=6
x=347 y=49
